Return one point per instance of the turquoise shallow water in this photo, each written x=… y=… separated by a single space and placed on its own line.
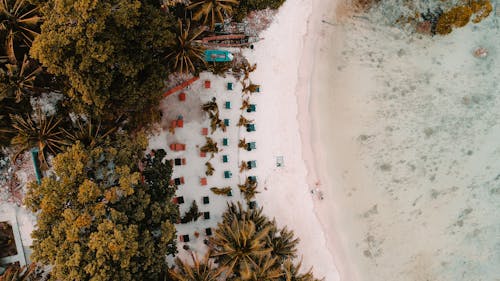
x=420 y=194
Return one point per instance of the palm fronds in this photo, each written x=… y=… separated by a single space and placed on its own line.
x=283 y=242
x=292 y=272
x=242 y=143
x=18 y=81
x=40 y=131
x=211 y=11
x=243 y=121
x=245 y=104
x=210 y=169
x=244 y=166
x=29 y=273
x=183 y=52
x=88 y=132
x=203 y=269
x=210 y=146
x=222 y=191
x=249 y=189
x=20 y=22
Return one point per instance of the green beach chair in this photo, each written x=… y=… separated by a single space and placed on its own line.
x=227 y=174
x=228 y=105
x=250 y=127
x=252 y=164
x=226 y=122
x=224 y=159
x=230 y=86
x=251 y=108
x=251 y=146
x=225 y=142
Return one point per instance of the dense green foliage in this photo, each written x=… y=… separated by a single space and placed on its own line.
x=246 y=6
x=98 y=220
x=249 y=246
x=110 y=51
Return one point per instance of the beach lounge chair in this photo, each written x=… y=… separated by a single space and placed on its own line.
x=251 y=164
x=251 y=108
x=177 y=147
x=178 y=181
x=203 y=181
x=251 y=146
x=225 y=142
x=206 y=200
x=206 y=215
x=184 y=238
x=226 y=122
x=178 y=200
x=208 y=231
x=227 y=105
x=179 y=161
x=182 y=96
x=207 y=84
x=252 y=179
x=258 y=89
x=227 y=174
x=230 y=86
x=224 y=159
x=250 y=127
x=203 y=154
x=204 y=131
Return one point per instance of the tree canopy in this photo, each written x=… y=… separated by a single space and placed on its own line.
x=110 y=51
x=101 y=219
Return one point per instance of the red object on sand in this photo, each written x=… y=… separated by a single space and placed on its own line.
x=183 y=161
x=182 y=96
x=203 y=154
x=180 y=87
x=203 y=181
x=204 y=131
x=207 y=84
x=180 y=123
x=177 y=146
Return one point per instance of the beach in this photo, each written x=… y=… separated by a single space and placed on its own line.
x=403 y=137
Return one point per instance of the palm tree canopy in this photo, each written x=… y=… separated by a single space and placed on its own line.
x=184 y=52
x=200 y=270
x=212 y=11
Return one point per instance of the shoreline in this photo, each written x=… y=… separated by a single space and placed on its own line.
x=315 y=176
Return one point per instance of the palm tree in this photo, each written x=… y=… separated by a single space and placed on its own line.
x=222 y=191
x=212 y=11
x=30 y=273
x=291 y=272
x=242 y=143
x=210 y=169
x=249 y=189
x=245 y=104
x=237 y=244
x=250 y=88
x=20 y=24
x=210 y=146
x=38 y=131
x=266 y=268
x=183 y=52
x=88 y=133
x=237 y=211
x=18 y=81
x=243 y=121
x=283 y=242
x=200 y=270
x=244 y=166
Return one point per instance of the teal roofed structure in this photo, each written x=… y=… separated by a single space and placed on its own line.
x=218 y=56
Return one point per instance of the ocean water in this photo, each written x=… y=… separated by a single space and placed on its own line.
x=409 y=127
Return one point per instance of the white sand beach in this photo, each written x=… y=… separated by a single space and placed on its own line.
x=405 y=132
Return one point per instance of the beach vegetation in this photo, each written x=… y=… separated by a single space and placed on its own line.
x=245 y=104
x=222 y=191
x=114 y=70
x=242 y=143
x=32 y=272
x=210 y=169
x=244 y=166
x=243 y=121
x=210 y=12
x=100 y=217
x=184 y=54
x=248 y=189
x=246 y=6
x=19 y=24
x=249 y=88
x=198 y=270
x=192 y=214
x=38 y=131
x=210 y=146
